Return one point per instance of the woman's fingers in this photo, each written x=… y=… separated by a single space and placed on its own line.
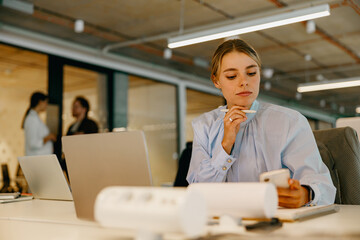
x=289 y=203
x=293 y=197
x=237 y=109
x=235 y=113
x=294 y=184
x=232 y=120
x=237 y=118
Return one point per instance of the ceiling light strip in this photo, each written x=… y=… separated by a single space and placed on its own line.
x=328 y=85
x=357 y=110
x=250 y=26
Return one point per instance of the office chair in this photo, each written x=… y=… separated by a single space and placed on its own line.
x=183 y=167
x=340 y=151
x=6 y=179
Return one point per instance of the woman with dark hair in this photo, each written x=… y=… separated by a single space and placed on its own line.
x=38 y=139
x=82 y=125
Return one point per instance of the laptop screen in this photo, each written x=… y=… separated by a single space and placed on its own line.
x=96 y=161
x=45 y=177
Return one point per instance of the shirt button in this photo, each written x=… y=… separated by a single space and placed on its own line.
x=229 y=160
x=224 y=168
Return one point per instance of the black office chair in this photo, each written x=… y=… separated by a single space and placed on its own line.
x=183 y=167
x=6 y=179
x=340 y=151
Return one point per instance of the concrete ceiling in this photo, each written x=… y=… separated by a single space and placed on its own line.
x=334 y=47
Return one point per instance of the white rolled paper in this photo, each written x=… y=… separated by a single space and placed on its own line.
x=245 y=200
x=160 y=210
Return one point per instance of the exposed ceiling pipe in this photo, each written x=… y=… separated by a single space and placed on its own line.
x=182 y=11
x=338 y=44
x=215 y=9
x=109 y=47
x=325 y=35
x=345 y=68
x=355 y=6
x=94 y=30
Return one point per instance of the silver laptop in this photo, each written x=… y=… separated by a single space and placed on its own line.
x=95 y=161
x=45 y=177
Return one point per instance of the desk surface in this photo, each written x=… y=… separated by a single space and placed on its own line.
x=45 y=219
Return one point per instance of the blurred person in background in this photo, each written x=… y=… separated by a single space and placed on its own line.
x=83 y=124
x=38 y=139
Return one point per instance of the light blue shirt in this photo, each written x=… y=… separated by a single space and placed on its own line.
x=272 y=138
x=35 y=132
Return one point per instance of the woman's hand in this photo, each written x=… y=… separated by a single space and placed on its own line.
x=232 y=121
x=50 y=137
x=293 y=197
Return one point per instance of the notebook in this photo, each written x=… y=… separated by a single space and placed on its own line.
x=19 y=199
x=294 y=214
x=96 y=161
x=45 y=177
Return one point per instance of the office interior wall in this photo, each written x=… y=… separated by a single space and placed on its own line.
x=21 y=73
x=92 y=86
x=152 y=108
x=316 y=124
x=197 y=104
x=58 y=48
x=325 y=125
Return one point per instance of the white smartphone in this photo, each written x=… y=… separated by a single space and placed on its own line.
x=278 y=177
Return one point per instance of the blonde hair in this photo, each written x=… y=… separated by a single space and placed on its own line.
x=233 y=45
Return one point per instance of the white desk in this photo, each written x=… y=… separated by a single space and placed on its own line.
x=42 y=219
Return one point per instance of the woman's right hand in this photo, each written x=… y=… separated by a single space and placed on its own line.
x=50 y=137
x=232 y=121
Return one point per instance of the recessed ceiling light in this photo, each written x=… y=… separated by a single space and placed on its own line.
x=79 y=26
x=167 y=53
x=268 y=72
x=267 y=85
x=310 y=26
x=357 y=110
x=307 y=57
x=342 y=109
x=322 y=103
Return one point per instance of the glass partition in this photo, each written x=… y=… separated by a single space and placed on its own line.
x=197 y=104
x=152 y=108
x=92 y=86
x=22 y=72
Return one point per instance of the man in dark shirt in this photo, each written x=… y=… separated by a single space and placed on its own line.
x=83 y=124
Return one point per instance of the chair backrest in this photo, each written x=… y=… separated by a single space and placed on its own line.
x=183 y=167
x=6 y=179
x=340 y=151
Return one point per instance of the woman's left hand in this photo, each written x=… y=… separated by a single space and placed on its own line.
x=293 y=197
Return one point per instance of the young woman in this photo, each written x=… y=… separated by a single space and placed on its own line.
x=38 y=139
x=238 y=146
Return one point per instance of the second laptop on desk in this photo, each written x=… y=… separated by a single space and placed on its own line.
x=45 y=177
x=96 y=161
